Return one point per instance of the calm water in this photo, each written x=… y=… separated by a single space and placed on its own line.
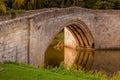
x=97 y=60
x=53 y=56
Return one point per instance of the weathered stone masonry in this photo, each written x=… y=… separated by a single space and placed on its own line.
x=26 y=38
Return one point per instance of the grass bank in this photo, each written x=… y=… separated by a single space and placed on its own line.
x=15 y=71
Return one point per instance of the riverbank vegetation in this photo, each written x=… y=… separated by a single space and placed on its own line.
x=15 y=71
x=10 y=6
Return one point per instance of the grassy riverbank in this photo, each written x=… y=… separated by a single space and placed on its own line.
x=15 y=71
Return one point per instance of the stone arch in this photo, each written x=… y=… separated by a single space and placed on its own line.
x=81 y=33
x=45 y=35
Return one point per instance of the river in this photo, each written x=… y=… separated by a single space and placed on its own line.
x=107 y=61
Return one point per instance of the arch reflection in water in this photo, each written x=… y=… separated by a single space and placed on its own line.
x=81 y=58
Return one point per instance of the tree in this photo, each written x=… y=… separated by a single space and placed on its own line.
x=2 y=6
x=62 y=3
x=39 y=4
x=117 y=4
x=68 y=3
x=31 y=4
x=53 y=3
x=87 y=3
x=76 y=2
x=105 y=4
x=18 y=4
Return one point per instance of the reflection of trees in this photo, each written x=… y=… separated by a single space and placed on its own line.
x=84 y=60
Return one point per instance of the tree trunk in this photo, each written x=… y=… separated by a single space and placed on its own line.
x=62 y=4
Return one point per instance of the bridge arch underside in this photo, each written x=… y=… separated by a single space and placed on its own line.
x=81 y=38
x=78 y=29
x=82 y=35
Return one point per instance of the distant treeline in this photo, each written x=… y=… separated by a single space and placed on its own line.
x=11 y=5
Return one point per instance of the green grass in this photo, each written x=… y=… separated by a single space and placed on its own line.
x=15 y=71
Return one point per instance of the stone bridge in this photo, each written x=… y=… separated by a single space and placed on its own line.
x=25 y=38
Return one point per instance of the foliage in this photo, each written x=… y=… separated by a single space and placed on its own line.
x=16 y=4
x=68 y=3
x=105 y=4
x=88 y=3
x=58 y=38
x=2 y=6
x=13 y=11
x=116 y=76
x=38 y=4
x=117 y=4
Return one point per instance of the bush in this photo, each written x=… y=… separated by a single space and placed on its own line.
x=2 y=8
x=13 y=11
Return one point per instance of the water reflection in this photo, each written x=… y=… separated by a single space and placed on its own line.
x=53 y=57
x=85 y=59
x=107 y=60
x=98 y=60
x=81 y=59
